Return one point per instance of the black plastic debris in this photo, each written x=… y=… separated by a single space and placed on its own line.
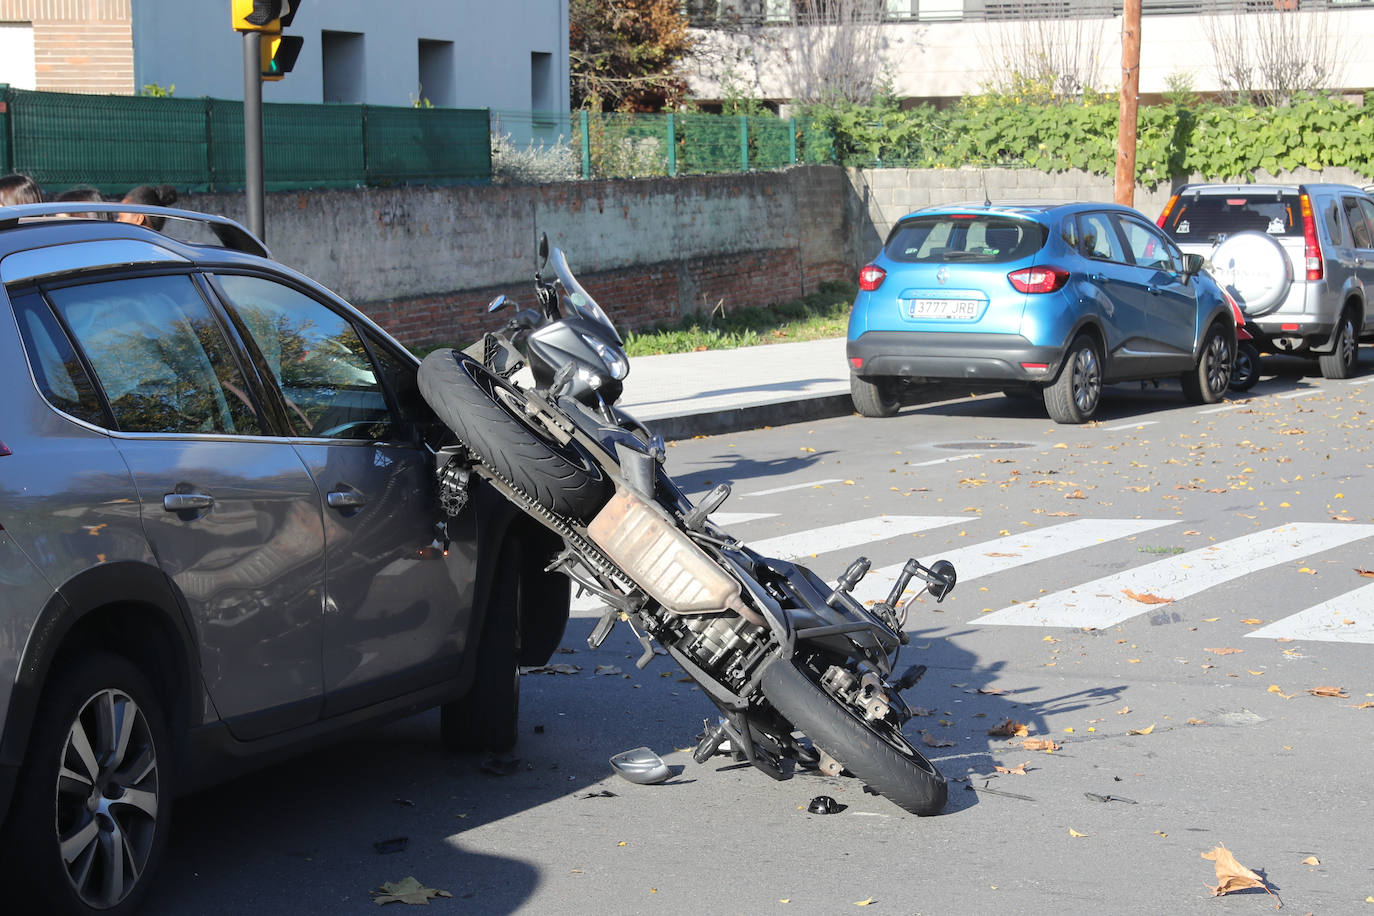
x=604 y=793
x=1110 y=798
x=395 y=844
x=824 y=804
x=869 y=790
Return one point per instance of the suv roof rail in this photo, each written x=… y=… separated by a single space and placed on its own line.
x=231 y=235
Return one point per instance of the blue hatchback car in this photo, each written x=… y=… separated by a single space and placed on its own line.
x=1052 y=299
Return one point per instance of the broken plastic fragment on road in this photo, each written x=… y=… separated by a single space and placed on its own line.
x=641 y=766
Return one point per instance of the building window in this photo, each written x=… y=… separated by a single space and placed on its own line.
x=343 y=64
x=542 y=96
x=16 y=55
x=436 y=73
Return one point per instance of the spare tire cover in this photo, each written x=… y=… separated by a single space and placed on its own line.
x=1255 y=269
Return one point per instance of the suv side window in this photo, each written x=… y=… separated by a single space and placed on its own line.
x=1367 y=208
x=1149 y=248
x=1335 y=226
x=1097 y=238
x=326 y=377
x=159 y=354
x=56 y=368
x=1359 y=228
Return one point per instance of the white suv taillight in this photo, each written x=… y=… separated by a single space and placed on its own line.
x=1312 y=249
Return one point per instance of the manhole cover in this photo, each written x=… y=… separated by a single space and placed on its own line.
x=982 y=446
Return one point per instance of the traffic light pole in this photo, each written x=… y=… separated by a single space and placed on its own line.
x=252 y=132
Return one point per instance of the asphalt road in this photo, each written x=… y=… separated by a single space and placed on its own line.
x=1158 y=592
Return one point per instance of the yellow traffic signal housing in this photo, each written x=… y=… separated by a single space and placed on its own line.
x=261 y=15
x=279 y=53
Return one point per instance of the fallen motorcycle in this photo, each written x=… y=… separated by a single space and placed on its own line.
x=777 y=650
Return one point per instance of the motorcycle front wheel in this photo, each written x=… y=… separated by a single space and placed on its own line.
x=488 y=415
x=874 y=751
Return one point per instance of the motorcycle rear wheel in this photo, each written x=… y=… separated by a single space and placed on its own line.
x=485 y=412
x=875 y=752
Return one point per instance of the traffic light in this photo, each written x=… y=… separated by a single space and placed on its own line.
x=262 y=15
x=279 y=53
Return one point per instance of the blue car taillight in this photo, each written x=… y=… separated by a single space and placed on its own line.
x=1039 y=279
x=871 y=277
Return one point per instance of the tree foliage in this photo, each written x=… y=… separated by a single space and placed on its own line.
x=624 y=54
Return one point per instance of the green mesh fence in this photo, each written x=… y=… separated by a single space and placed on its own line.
x=117 y=142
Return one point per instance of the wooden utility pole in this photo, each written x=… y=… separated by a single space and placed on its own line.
x=1130 y=99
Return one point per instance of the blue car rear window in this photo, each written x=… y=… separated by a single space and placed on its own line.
x=940 y=238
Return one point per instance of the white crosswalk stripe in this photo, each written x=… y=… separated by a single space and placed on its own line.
x=849 y=535
x=1014 y=550
x=1345 y=618
x=1104 y=602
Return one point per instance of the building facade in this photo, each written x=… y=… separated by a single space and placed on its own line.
x=939 y=50
x=448 y=53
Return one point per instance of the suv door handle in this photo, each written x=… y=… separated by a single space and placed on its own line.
x=345 y=499
x=1155 y=290
x=186 y=502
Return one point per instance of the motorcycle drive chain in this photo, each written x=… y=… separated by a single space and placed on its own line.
x=586 y=551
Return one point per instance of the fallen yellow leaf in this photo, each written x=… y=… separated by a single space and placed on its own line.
x=1252 y=621
x=1145 y=598
x=1075 y=833
x=1223 y=651
x=1311 y=860
x=1328 y=692
x=1018 y=770
x=1231 y=875
x=1142 y=731
x=1040 y=744
x=868 y=901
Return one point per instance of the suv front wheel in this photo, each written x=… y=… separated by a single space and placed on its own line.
x=93 y=803
x=1340 y=362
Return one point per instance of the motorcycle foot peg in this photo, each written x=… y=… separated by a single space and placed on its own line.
x=711 y=740
x=694 y=519
x=910 y=677
x=602 y=628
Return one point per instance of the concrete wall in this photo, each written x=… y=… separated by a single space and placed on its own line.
x=424 y=262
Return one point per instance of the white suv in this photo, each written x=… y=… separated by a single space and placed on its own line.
x=1298 y=258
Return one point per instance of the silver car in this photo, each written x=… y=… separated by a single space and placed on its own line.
x=1299 y=259
x=221 y=541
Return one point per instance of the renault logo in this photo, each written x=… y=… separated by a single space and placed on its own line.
x=942 y=275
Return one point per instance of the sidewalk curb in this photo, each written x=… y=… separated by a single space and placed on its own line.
x=781 y=413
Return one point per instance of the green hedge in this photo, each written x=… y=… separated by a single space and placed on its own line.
x=1218 y=141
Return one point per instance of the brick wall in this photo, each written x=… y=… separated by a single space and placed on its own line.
x=78 y=45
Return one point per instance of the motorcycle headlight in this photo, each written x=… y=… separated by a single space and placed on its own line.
x=616 y=363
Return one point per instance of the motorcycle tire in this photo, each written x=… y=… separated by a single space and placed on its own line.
x=484 y=412
x=875 y=752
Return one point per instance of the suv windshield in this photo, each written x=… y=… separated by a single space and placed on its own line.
x=964 y=237
x=1209 y=217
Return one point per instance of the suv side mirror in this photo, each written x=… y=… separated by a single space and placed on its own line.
x=1192 y=265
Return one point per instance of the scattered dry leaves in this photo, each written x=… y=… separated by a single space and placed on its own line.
x=1231 y=875
x=1367 y=573
x=1223 y=651
x=407 y=890
x=1040 y=744
x=1018 y=770
x=1145 y=598
x=1142 y=731
x=1329 y=692
x=930 y=740
x=1275 y=688
x=1009 y=728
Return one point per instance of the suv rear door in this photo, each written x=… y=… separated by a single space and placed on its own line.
x=397 y=607
x=1118 y=296
x=231 y=513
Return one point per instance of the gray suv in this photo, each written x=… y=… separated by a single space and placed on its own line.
x=1299 y=259
x=222 y=540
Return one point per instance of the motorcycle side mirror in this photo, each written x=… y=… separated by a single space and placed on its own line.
x=943 y=571
x=543 y=249
x=498 y=303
